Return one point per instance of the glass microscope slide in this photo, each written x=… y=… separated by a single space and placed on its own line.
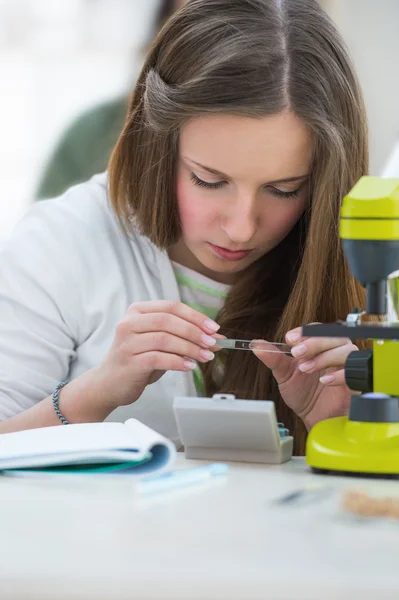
x=260 y=345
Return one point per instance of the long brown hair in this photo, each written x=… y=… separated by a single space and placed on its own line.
x=252 y=58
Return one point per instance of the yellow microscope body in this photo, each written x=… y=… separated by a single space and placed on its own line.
x=366 y=442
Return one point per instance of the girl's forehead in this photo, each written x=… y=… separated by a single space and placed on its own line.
x=271 y=147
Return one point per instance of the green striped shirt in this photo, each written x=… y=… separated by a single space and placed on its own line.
x=202 y=294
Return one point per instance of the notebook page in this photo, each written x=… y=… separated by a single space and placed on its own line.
x=69 y=439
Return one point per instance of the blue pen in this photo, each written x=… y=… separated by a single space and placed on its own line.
x=181 y=478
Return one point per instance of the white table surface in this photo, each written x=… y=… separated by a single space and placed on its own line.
x=96 y=538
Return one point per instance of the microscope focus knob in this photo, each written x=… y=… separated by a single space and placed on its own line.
x=359 y=371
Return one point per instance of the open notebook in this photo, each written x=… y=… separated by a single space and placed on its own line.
x=87 y=447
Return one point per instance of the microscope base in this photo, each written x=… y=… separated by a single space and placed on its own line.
x=339 y=446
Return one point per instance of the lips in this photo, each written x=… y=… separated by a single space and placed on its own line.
x=227 y=254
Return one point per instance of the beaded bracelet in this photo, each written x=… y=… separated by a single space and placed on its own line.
x=61 y=417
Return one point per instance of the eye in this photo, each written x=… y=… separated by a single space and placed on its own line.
x=206 y=184
x=280 y=193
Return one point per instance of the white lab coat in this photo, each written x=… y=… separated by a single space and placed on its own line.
x=67 y=277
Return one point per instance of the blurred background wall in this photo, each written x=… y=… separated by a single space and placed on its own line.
x=371 y=31
x=59 y=57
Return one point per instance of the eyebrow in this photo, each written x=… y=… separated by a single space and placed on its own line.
x=220 y=174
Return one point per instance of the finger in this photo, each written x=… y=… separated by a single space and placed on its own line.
x=170 y=324
x=311 y=347
x=149 y=362
x=294 y=336
x=178 y=309
x=280 y=364
x=169 y=343
x=333 y=378
x=217 y=336
x=336 y=378
x=331 y=358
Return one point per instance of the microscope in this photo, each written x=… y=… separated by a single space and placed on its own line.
x=366 y=442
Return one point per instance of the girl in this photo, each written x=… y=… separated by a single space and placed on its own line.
x=219 y=213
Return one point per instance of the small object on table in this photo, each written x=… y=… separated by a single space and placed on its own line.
x=181 y=478
x=363 y=505
x=305 y=495
x=226 y=428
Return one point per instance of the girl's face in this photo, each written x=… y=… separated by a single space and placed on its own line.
x=242 y=184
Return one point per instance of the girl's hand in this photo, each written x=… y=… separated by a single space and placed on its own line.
x=312 y=383
x=154 y=337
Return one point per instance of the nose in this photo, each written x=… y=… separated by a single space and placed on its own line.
x=239 y=221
